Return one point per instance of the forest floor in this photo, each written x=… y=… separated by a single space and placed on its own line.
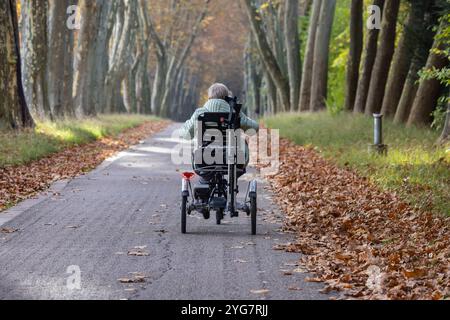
x=31 y=161
x=355 y=237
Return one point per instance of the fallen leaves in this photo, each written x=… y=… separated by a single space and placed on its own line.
x=136 y=278
x=73 y=227
x=18 y=183
x=294 y=289
x=354 y=237
x=261 y=291
x=240 y=261
x=8 y=230
x=138 y=251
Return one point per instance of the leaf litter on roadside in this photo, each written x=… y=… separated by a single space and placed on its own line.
x=260 y=291
x=138 y=251
x=136 y=278
x=21 y=182
x=8 y=230
x=355 y=238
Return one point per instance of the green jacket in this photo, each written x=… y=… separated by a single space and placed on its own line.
x=215 y=105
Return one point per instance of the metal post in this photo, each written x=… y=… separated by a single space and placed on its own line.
x=378 y=146
x=378 y=129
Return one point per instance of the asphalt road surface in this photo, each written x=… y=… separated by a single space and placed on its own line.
x=74 y=242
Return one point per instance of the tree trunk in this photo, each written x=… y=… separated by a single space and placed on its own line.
x=370 y=53
x=402 y=59
x=34 y=54
x=60 y=59
x=383 y=60
x=424 y=41
x=292 y=41
x=119 y=65
x=319 y=85
x=267 y=55
x=407 y=98
x=14 y=113
x=354 y=58
x=158 y=85
x=253 y=79
x=446 y=131
x=142 y=87
x=106 y=15
x=429 y=90
x=305 y=89
x=67 y=87
x=272 y=107
x=85 y=57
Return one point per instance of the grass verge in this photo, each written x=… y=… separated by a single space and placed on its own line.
x=415 y=168
x=17 y=148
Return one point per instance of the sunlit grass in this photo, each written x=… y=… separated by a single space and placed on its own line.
x=415 y=167
x=49 y=137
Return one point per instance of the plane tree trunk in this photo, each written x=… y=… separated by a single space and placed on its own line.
x=14 y=113
x=354 y=58
x=34 y=56
x=319 y=85
x=370 y=53
x=383 y=59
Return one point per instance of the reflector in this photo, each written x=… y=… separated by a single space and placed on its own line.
x=188 y=175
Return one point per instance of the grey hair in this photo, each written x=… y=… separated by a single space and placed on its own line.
x=218 y=91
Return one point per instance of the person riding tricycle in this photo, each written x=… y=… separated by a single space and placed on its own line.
x=220 y=158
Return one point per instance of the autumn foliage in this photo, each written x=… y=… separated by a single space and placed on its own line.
x=357 y=239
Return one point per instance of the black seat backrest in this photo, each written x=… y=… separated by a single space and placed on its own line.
x=211 y=122
x=209 y=126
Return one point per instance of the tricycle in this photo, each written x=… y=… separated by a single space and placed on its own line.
x=219 y=159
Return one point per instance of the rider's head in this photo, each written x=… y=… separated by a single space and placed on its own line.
x=218 y=91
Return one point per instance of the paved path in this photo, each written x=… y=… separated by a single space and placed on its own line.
x=133 y=201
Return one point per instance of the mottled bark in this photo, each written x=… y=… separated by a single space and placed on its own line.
x=292 y=41
x=118 y=68
x=370 y=53
x=143 y=94
x=424 y=41
x=34 y=56
x=305 y=88
x=14 y=113
x=383 y=60
x=319 y=84
x=85 y=57
x=161 y=59
x=429 y=90
x=106 y=19
x=354 y=58
x=402 y=59
x=60 y=59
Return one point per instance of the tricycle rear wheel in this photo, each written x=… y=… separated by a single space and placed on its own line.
x=253 y=211
x=219 y=216
x=184 y=214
